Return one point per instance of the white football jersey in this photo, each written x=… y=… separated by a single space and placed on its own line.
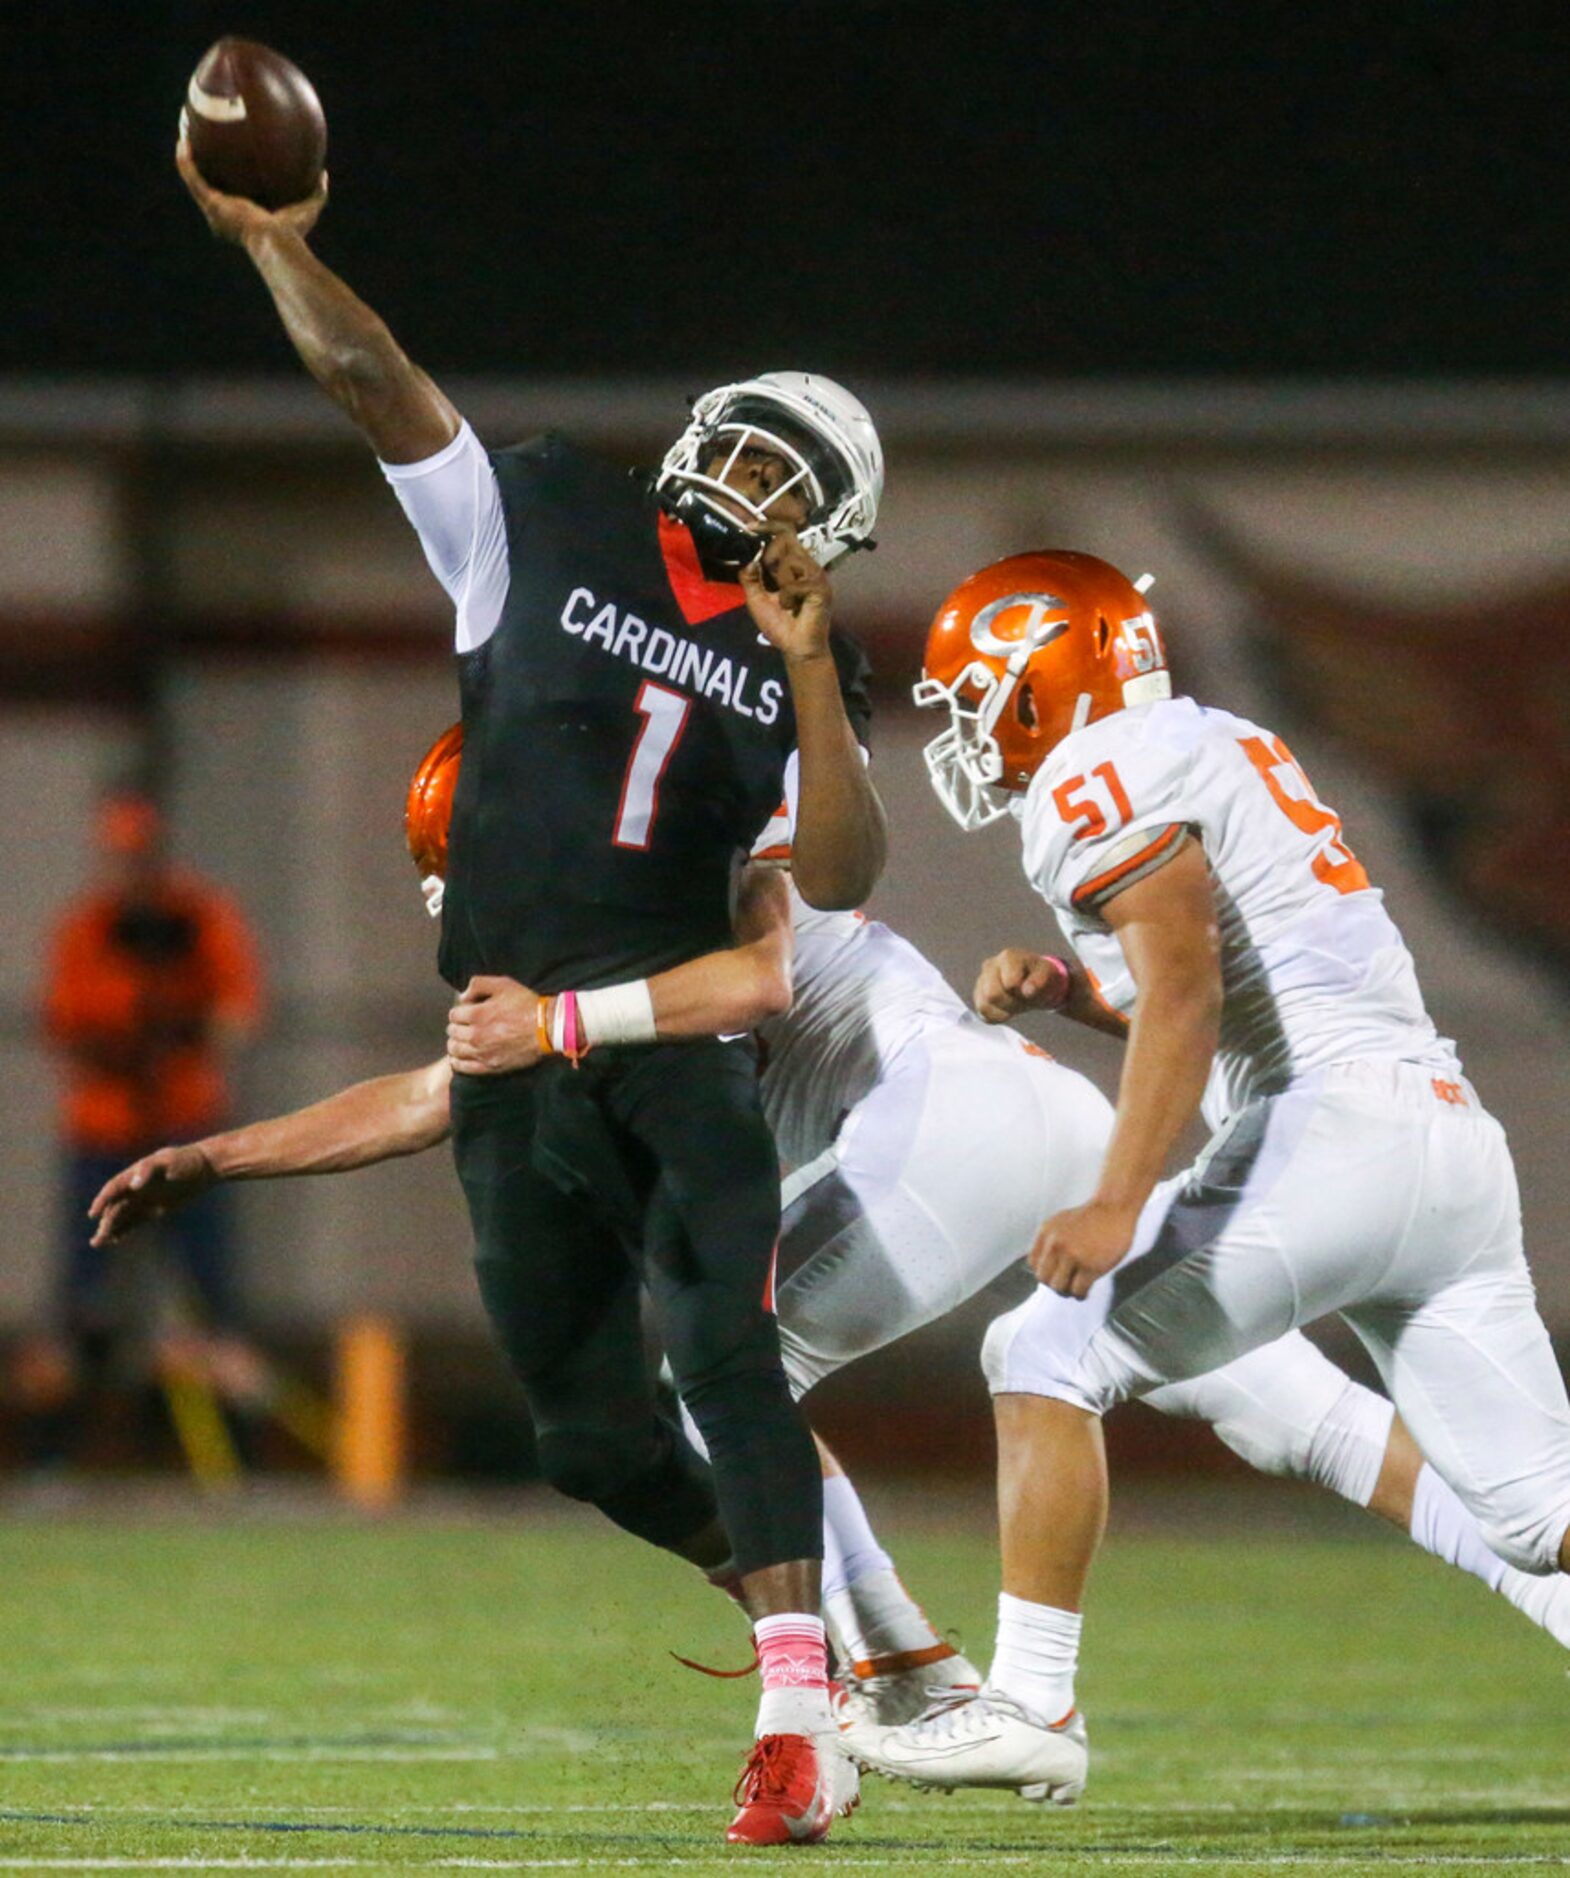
x=860 y=993
x=1313 y=968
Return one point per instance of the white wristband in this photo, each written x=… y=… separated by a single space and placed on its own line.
x=618 y=1014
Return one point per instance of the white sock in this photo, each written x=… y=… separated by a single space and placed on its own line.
x=873 y=1617
x=1443 y=1526
x=876 y=1620
x=848 y=1531
x=1035 y=1657
x=1348 y=1447
x=794 y=1664
x=1545 y=1600
x=835 y=1582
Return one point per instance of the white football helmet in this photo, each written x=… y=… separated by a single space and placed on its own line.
x=821 y=431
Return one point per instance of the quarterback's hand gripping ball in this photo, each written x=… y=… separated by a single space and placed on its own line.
x=254 y=126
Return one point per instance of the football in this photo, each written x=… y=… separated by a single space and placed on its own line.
x=255 y=124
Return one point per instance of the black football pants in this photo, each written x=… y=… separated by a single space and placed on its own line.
x=653 y=1167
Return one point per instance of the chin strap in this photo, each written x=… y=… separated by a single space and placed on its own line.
x=723 y=548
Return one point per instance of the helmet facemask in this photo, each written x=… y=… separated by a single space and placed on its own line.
x=725 y=521
x=707 y=500
x=965 y=762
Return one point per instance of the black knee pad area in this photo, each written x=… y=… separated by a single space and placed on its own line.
x=589 y=1463
x=650 y=1484
x=743 y=1404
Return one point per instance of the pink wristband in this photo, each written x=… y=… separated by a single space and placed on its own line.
x=574 y=1048
x=565 y=1029
x=1057 y=997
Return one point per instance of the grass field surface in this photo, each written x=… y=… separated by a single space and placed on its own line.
x=491 y=1694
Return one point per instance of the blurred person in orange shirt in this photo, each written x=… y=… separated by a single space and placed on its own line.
x=152 y=979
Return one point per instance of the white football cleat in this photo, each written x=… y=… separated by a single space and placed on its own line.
x=985 y=1740
x=887 y=1691
x=841 y=1775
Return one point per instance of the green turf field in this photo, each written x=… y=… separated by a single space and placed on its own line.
x=493 y=1696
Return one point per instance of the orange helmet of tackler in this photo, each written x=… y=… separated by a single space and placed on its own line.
x=1022 y=654
x=427 y=811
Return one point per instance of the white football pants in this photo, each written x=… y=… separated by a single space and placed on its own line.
x=937 y=1182
x=1371 y=1189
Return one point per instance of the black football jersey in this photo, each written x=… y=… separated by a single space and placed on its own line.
x=625 y=733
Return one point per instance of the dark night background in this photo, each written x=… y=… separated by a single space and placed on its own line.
x=1123 y=188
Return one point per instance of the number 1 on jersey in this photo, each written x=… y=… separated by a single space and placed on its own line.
x=664 y=715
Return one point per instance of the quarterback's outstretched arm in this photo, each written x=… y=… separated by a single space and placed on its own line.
x=345 y=347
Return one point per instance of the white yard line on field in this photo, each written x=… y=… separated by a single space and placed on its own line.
x=105 y=1810
x=844 y=1857
x=217 y=1752
x=194 y=1713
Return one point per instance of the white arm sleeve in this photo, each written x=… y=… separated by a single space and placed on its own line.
x=456 y=508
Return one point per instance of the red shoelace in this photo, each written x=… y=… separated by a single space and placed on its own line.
x=765 y=1780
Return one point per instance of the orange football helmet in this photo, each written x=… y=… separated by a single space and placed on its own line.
x=1022 y=653
x=427 y=812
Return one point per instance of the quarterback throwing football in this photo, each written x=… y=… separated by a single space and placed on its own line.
x=645 y=671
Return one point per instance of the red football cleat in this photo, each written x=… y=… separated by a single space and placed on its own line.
x=791 y=1789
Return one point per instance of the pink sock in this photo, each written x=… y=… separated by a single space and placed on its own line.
x=794 y=1664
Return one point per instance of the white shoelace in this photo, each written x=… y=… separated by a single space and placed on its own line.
x=957 y=1713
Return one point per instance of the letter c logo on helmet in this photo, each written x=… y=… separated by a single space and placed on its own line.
x=1035 y=631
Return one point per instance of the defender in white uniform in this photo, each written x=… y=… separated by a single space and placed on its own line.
x=926 y=1149
x=1209 y=895
x=923 y=1144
